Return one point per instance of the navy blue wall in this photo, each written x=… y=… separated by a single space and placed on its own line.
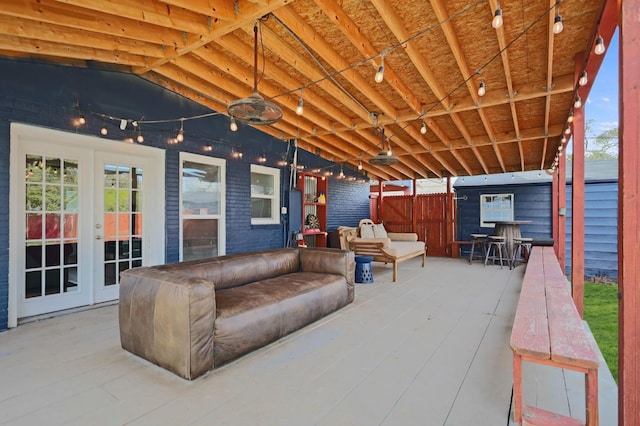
x=531 y=202
x=53 y=96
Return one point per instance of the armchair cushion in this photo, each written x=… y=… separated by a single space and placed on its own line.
x=379 y=231
x=366 y=231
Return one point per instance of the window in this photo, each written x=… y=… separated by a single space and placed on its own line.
x=495 y=207
x=202 y=198
x=265 y=195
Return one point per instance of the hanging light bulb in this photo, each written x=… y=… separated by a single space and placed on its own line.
x=567 y=131
x=180 y=135
x=140 y=138
x=560 y=148
x=423 y=128
x=82 y=120
x=341 y=175
x=482 y=89
x=233 y=125
x=564 y=139
x=360 y=165
x=599 y=49
x=557 y=24
x=380 y=74
x=570 y=118
x=104 y=131
x=300 y=108
x=497 y=18
x=578 y=102
x=583 y=78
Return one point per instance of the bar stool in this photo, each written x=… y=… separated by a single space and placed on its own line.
x=496 y=243
x=480 y=241
x=520 y=244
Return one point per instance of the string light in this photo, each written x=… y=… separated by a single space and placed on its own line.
x=300 y=107
x=599 y=49
x=104 y=131
x=482 y=89
x=82 y=120
x=578 y=102
x=557 y=24
x=207 y=148
x=497 y=18
x=360 y=165
x=180 y=135
x=567 y=131
x=570 y=118
x=380 y=74
x=583 y=79
x=423 y=128
x=140 y=138
x=233 y=125
x=564 y=139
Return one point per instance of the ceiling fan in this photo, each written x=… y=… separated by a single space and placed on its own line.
x=254 y=109
x=384 y=157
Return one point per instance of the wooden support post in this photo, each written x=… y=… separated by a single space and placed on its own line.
x=577 y=200
x=562 y=215
x=629 y=215
x=554 y=210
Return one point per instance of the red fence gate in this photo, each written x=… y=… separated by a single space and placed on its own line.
x=431 y=216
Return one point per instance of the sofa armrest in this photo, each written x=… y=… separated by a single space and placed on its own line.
x=168 y=319
x=402 y=236
x=330 y=261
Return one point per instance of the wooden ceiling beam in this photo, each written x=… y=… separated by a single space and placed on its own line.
x=344 y=23
x=245 y=17
x=493 y=4
x=233 y=44
x=43 y=47
x=394 y=22
x=312 y=39
x=547 y=103
x=52 y=12
x=216 y=9
x=147 y=11
x=454 y=44
x=245 y=75
x=36 y=30
x=303 y=65
x=339 y=17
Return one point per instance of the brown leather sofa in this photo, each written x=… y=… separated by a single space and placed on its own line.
x=191 y=317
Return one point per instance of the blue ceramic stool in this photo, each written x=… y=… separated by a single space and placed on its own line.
x=364 y=274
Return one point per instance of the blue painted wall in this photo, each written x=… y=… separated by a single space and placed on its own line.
x=533 y=202
x=600 y=229
x=52 y=95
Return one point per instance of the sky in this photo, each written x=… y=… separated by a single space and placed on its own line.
x=602 y=104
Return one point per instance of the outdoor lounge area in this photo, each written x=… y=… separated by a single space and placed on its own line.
x=140 y=134
x=430 y=349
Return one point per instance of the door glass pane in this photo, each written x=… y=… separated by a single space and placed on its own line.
x=122 y=230
x=199 y=238
x=51 y=213
x=201 y=189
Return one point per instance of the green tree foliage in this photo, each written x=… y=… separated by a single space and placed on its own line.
x=603 y=147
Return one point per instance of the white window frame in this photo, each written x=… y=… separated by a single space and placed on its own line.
x=496 y=213
x=275 y=197
x=221 y=217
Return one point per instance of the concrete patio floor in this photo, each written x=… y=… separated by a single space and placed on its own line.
x=431 y=349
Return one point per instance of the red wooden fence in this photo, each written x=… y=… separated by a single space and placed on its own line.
x=431 y=216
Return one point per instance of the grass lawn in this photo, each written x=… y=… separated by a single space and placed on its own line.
x=601 y=312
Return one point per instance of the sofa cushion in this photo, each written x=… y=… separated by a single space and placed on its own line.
x=379 y=231
x=366 y=231
x=239 y=269
x=253 y=315
x=404 y=248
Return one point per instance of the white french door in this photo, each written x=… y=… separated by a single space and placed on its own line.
x=80 y=216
